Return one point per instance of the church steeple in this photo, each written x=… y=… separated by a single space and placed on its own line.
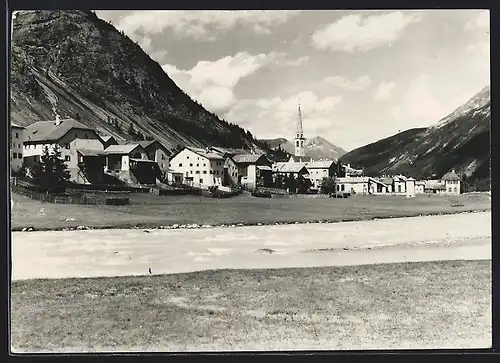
x=299 y=137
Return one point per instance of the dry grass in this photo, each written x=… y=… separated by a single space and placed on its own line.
x=151 y=211
x=382 y=306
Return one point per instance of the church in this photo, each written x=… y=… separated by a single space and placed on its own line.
x=300 y=150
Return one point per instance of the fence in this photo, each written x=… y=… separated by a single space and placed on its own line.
x=77 y=198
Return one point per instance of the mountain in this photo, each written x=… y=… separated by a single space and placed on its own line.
x=316 y=147
x=460 y=141
x=73 y=64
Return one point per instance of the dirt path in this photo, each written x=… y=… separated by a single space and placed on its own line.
x=132 y=252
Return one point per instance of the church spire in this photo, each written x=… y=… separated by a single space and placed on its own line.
x=299 y=139
x=300 y=131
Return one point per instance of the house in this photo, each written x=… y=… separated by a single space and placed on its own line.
x=410 y=187
x=399 y=184
x=353 y=184
x=157 y=152
x=434 y=187
x=200 y=167
x=419 y=187
x=281 y=171
x=451 y=183
x=320 y=169
x=16 y=147
x=108 y=141
x=389 y=182
x=252 y=170
x=130 y=163
x=70 y=135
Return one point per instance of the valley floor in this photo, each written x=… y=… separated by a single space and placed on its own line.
x=152 y=211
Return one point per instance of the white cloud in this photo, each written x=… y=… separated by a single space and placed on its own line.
x=296 y=62
x=481 y=21
x=384 y=90
x=357 y=84
x=278 y=116
x=212 y=83
x=357 y=32
x=419 y=105
x=206 y=25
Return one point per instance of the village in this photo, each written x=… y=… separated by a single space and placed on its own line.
x=94 y=159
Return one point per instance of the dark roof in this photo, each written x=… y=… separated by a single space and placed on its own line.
x=207 y=153
x=89 y=152
x=121 y=149
x=247 y=158
x=148 y=143
x=289 y=167
x=49 y=131
x=450 y=176
x=320 y=164
x=229 y=151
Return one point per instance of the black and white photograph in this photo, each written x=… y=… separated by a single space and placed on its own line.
x=249 y=180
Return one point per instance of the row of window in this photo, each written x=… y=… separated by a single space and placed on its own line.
x=454 y=189
x=198 y=158
x=453 y=181
x=17 y=155
x=216 y=172
x=18 y=145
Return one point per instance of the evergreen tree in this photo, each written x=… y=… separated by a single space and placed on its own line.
x=51 y=171
x=328 y=185
x=131 y=130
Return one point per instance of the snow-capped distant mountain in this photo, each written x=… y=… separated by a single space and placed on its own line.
x=316 y=147
x=460 y=141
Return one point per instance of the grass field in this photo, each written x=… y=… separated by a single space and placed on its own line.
x=151 y=211
x=411 y=305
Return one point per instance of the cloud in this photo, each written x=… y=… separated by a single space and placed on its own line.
x=479 y=47
x=204 y=25
x=278 y=116
x=357 y=84
x=419 y=105
x=482 y=21
x=384 y=90
x=296 y=62
x=361 y=33
x=212 y=82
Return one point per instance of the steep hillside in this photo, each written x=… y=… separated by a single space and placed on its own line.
x=460 y=141
x=76 y=65
x=316 y=147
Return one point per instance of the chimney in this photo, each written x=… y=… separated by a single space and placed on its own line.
x=58 y=120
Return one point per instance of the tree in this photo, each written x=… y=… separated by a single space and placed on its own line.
x=328 y=185
x=131 y=130
x=51 y=172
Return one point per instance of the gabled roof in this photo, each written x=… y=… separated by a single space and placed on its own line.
x=301 y=159
x=206 y=153
x=451 y=176
x=17 y=126
x=49 y=131
x=229 y=151
x=107 y=138
x=121 y=149
x=90 y=152
x=247 y=158
x=289 y=167
x=148 y=143
x=387 y=181
x=320 y=164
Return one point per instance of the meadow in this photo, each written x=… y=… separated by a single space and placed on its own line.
x=149 y=211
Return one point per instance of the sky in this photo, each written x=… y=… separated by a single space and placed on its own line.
x=359 y=76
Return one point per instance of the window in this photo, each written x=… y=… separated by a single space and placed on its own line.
x=169 y=165
x=297 y=143
x=449 y=189
x=19 y=155
x=217 y=172
x=211 y=172
x=342 y=187
x=67 y=158
x=66 y=146
x=298 y=136
x=180 y=165
x=197 y=165
x=204 y=171
x=399 y=188
x=187 y=157
x=197 y=171
x=17 y=135
x=187 y=173
x=190 y=164
x=204 y=164
x=162 y=157
x=455 y=189
x=14 y=155
x=301 y=143
x=76 y=134
x=19 y=145
x=201 y=180
x=190 y=172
